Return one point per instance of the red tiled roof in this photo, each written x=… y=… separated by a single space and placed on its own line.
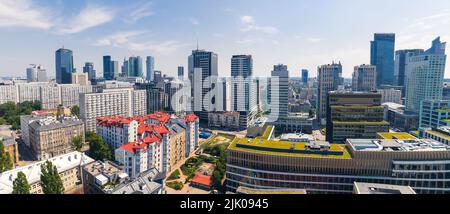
x=202 y=179
x=117 y=121
x=160 y=117
x=191 y=118
x=150 y=139
x=133 y=147
x=161 y=129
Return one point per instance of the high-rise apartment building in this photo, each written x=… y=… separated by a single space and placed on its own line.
x=120 y=102
x=354 y=115
x=64 y=66
x=329 y=78
x=425 y=76
x=80 y=79
x=203 y=70
x=150 y=66
x=364 y=78
x=382 y=56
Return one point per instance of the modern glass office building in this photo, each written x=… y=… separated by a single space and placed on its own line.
x=382 y=56
x=64 y=66
x=89 y=69
x=107 y=72
x=150 y=66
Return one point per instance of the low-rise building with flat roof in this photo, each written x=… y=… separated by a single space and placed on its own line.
x=396 y=136
x=441 y=134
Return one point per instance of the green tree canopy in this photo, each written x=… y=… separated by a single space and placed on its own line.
x=77 y=143
x=75 y=110
x=50 y=180
x=20 y=184
x=99 y=150
x=6 y=162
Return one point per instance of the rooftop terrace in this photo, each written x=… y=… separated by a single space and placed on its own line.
x=417 y=145
x=396 y=135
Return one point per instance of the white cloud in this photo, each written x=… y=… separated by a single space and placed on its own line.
x=313 y=40
x=134 y=41
x=24 y=13
x=249 y=24
x=141 y=11
x=89 y=17
x=249 y=41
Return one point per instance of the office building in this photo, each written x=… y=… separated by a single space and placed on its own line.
x=69 y=169
x=80 y=79
x=278 y=95
x=382 y=56
x=391 y=96
x=51 y=136
x=324 y=168
x=364 y=78
x=203 y=70
x=243 y=90
x=329 y=79
x=400 y=65
x=400 y=119
x=64 y=66
x=354 y=115
x=425 y=76
x=150 y=66
x=441 y=134
x=133 y=67
x=305 y=76
x=89 y=70
x=36 y=73
x=434 y=113
x=119 y=102
x=224 y=120
x=180 y=72
x=107 y=71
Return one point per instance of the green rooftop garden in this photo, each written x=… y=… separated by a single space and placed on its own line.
x=443 y=110
x=439 y=134
x=357 y=107
x=396 y=135
x=272 y=147
x=267 y=132
x=361 y=123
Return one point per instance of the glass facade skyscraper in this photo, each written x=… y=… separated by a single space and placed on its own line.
x=305 y=76
x=134 y=67
x=150 y=66
x=89 y=69
x=382 y=55
x=107 y=74
x=64 y=66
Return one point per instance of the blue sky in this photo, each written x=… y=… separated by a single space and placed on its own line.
x=299 y=33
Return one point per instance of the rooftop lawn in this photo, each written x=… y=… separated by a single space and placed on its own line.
x=396 y=135
x=271 y=144
x=439 y=134
x=360 y=123
x=267 y=132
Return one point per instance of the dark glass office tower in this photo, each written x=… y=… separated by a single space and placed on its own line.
x=107 y=74
x=64 y=66
x=305 y=76
x=382 y=55
x=89 y=69
x=400 y=66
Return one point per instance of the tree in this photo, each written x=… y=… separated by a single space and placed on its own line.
x=75 y=110
x=99 y=150
x=50 y=180
x=5 y=159
x=77 y=143
x=20 y=184
x=2 y=121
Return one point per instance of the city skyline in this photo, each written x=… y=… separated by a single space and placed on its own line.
x=92 y=29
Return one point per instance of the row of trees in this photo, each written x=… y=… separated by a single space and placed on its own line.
x=10 y=112
x=51 y=182
x=98 y=149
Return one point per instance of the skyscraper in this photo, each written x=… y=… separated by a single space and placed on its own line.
x=425 y=75
x=89 y=69
x=114 y=66
x=243 y=89
x=400 y=65
x=64 y=66
x=32 y=74
x=305 y=76
x=382 y=56
x=330 y=78
x=180 y=72
x=134 y=67
x=107 y=75
x=206 y=63
x=279 y=87
x=150 y=66
x=364 y=78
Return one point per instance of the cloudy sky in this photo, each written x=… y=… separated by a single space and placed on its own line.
x=299 y=33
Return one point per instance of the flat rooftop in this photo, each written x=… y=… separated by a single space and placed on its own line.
x=294 y=149
x=371 y=188
x=392 y=145
x=396 y=135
